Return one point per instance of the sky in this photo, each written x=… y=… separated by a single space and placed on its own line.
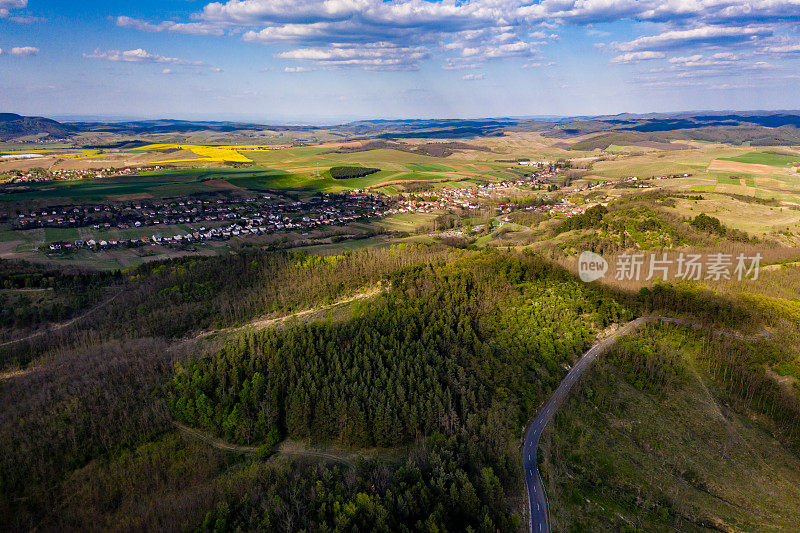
x=301 y=61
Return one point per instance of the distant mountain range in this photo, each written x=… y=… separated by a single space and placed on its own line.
x=759 y=128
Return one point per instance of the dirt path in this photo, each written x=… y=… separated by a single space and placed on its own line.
x=62 y=325
x=286 y=448
x=272 y=322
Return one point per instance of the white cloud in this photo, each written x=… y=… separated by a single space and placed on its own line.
x=724 y=59
x=166 y=71
x=458 y=63
x=473 y=77
x=633 y=57
x=783 y=49
x=139 y=55
x=515 y=49
x=24 y=51
x=688 y=59
x=195 y=28
x=7 y=6
x=696 y=36
x=298 y=69
x=480 y=29
x=369 y=56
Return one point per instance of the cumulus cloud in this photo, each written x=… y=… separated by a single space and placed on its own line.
x=195 y=28
x=703 y=35
x=139 y=55
x=24 y=51
x=370 y=56
x=481 y=30
x=633 y=57
x=699 y=60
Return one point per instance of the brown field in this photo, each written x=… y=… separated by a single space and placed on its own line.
x=221 y=184
x=337 y=145
x=128 y=197
x=719 y=165
x=8 y=248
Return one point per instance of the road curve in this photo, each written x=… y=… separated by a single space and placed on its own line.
x=539 y=518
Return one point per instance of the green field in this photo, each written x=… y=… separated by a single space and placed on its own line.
x=762 y=158
x=429 y=167
x=298 y=169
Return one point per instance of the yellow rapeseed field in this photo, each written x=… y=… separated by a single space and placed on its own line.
x=208 y=153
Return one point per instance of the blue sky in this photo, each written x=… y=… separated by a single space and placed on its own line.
x=332 y=60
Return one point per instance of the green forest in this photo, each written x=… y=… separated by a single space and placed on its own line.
x=398 y=411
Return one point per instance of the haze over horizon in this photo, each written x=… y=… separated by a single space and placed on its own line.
x=338 y=60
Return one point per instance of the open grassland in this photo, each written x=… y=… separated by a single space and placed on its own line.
x=754 y=218
x=659 y=163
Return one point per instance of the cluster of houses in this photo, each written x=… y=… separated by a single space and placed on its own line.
x=229 y=219
x=183 y=211
x=38 y=175
x=193 y=236
x=468 y=197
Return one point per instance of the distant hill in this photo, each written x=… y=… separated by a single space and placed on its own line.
x=13 y=126
x=138 y=127
x=655 y=130
x=757 y=128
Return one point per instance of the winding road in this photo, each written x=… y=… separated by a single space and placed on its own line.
x=539 y=512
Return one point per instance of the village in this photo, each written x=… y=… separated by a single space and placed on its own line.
x=469 y=197
x=227 y=217
x=40 y=175
x=221 y=218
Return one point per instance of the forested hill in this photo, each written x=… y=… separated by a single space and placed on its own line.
x=443 y=369
x=428 y=385
x=464 y=351
x=13 y=126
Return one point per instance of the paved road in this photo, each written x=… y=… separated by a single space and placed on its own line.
x=537 y=498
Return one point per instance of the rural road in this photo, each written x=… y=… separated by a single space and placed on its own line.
x=539 y=513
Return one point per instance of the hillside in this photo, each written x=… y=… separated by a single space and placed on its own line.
x=652 y=441
x=14 y=126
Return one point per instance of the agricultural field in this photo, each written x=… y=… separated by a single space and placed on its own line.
x=213 y=154
x=767 y=158
x=302 y=169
